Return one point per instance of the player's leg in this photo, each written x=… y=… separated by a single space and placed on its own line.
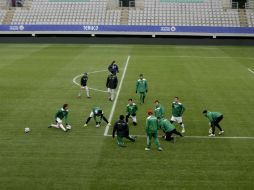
x=109 y=94
x=120 y=141
x=180 y=121
x=177 y=133
x=134 y=119
x=172 y=119
x=216 y=123
x=213 y=130
x=87 y=92
x=89 y=118
x=143 y=98
x=104 y=118
x=156 y=140
x=140 y=97
x=127 y=118
x=80 y=92
x=148 y=141
x=168 y=136
x=112 y=94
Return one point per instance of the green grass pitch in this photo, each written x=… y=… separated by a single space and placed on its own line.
x=36 y=80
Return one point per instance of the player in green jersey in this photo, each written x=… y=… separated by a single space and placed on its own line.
x=159 y=109
x=59 y=116
x=214 y=120
x=177 y=113
x=131 y=110
x=151 y=128
x=97 y=114
x=122 y=130
x=168 y=128
x=141 y=88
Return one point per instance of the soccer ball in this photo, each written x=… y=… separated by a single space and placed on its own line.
x=27 y=130
x=68 y=127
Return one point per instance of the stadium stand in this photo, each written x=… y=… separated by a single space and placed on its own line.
x=151 y=12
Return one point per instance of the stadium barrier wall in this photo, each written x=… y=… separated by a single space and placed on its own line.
x=128 y=30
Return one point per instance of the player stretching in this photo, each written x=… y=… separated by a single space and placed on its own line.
x=122 y=130
x=97 y=114
x=214 y=119
x=177 y=112
x=59 y=116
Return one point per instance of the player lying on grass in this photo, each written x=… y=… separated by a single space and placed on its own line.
x=59 y=116
x=122 y=130
x=214 y=120
x=168 y=128
x=97 y=114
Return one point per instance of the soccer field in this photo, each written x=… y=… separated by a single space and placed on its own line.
x=37 y=79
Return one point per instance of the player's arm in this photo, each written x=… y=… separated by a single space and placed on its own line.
x=183 y=109
x=146 y=85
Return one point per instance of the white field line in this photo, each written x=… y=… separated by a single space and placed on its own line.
x=116 y=98
x=95 y=89
x=200 y=137
x=189 y=56
x=251 y=71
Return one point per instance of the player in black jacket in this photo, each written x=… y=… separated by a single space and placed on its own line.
x=83 y=85
x=113 y=68
x=111 y=84
x=122 y=130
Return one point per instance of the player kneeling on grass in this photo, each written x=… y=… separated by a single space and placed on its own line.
x=168 y=128
x=60 y=115
x=214 y=119
x=131 y=110
x=122 y=130
x=97 y=114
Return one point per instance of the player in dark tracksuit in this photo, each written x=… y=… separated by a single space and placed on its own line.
x=111 y=84
x=122 y=130
x=113 y=68
x=83 y=85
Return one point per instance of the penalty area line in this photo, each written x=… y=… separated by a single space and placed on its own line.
x=95 y=89
x=200 y=137
x=250 y=70
x=117 y=94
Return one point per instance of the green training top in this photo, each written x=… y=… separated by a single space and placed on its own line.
x=141 y=85
x=159 y=111
x=151 y=124
x=131 y=108
x=166 y=126
x=177 y=109
x=213 y=115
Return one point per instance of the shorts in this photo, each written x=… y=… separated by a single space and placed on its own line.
x=177 y=119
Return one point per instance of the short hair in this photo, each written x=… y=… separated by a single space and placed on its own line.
x=149 y=112
x=121 y=117
x=65 y=105
x=141 y=75
x=113 y=62
x=130 y=99
x=156 y=101
x=99 y=112
x=85 y=73
x=176 y=97
x=205 y=111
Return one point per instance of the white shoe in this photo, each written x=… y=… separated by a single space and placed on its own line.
x=183 y=130
x=221 y=132
x=147 y=148
x=85 y=125
x=210 y=131
x=160 y=149
x=211 y=135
